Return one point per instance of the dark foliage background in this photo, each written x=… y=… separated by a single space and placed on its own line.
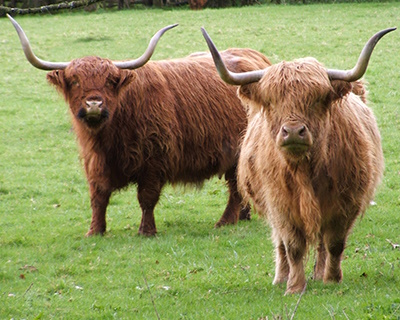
x=37 y=6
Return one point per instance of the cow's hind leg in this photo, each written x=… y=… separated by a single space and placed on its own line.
x=99 y=200
x=245 y=212
x=235 y=210
x=148 y=195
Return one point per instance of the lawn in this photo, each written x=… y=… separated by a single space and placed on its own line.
x=49 y=270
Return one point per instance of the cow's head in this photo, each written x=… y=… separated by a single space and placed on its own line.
x=90 y=85
x=295 y=97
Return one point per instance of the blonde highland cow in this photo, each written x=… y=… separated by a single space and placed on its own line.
x=311 y=158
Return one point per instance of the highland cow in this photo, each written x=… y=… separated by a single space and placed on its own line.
x=311 y=158
x=171 y=121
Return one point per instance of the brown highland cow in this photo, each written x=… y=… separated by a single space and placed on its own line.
x=166 y=121
x=311 y=159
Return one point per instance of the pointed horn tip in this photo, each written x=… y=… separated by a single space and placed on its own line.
x=204 y=32
x=385 y=31
x=209 y=42
x=15 y=24
x=11 y=19
x=172 y=25
x=165 y=29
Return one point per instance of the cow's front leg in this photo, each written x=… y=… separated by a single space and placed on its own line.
x=99 y=201
x=319 y=267
x=281 y=263
x=335 y=241
x=333 y=270
x=148 y=195
x=295 y=251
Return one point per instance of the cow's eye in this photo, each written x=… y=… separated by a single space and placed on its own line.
x=75 y=83
x=110 y=84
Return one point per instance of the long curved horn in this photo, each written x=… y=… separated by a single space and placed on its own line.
x=137 y=63
x=361 y=66
x=35 y=61
x=46 y=65
x=226 y=75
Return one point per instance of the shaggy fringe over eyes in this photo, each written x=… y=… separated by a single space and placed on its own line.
x=303 y=80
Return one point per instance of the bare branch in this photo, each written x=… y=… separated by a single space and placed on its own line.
x=29 y=288
x=145 y=281
x=46 y=9
x=394 y=245
x=298 y=302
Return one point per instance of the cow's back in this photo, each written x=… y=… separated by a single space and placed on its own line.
x=194 y=120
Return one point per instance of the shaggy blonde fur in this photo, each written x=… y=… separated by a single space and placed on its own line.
x=312 y=197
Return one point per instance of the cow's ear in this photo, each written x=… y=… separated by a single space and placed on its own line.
x=56 y=78
x=126 y=77
x=359 y=88
x=340 y=89
x=249 y=94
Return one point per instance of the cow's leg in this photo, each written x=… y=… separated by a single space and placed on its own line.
x=335 y=248
x=244 y=213
x=235 y=209
x=295 y=246
x=335 y=241
x=281 y=263
x=99 y=200
x=319 y=266
x=149 y=191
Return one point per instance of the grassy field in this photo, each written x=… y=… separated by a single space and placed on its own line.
x=49 y=270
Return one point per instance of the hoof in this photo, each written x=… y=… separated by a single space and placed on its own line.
x=279 y=280
x=245 y=213
x=295 y=290
x=91 y=233
x=147 y=233
x=318 y=276
x=333 y=278
x=222 y=223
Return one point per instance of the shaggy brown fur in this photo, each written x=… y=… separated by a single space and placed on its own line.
x=311 y=186
x=168 y=121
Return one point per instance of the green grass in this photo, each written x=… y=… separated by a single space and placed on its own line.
x=48 y=269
